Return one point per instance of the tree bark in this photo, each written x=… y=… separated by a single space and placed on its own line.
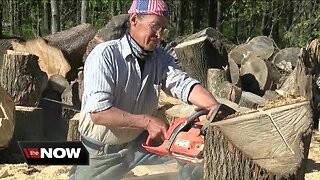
x=7 y=118
x=268 y=144
x=194 y=57
x=219 y=86
x=22 y=78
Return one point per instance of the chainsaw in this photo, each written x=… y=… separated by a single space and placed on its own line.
x=184 y=139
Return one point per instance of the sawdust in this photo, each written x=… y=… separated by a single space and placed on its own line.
x=23 y=171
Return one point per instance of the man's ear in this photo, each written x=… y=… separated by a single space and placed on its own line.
x=133 y=19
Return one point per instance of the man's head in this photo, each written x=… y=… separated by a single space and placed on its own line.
x=148 y=20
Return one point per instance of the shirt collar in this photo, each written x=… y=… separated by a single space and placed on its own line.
x=126 y=50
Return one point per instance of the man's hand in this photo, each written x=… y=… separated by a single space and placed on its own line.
x=156 y=128
x=210 y=108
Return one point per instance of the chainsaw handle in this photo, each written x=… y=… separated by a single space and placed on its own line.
x=196 y=115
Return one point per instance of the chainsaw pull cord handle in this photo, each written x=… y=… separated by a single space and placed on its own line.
x=186 y=123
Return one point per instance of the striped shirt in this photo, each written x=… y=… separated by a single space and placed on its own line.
x=112 y=77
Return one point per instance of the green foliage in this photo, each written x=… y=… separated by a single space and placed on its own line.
x=289 y=22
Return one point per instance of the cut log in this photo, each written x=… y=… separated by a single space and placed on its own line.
x=197 y=56
x=73 y=43
x=254 y=74
x=115 y=29
x=58 y=83
x=73 y=132
x=207 y=32
x=219 y=86
x=251 y=100
x=268 y=144
x=286 y=59
x=234 y=72
x=51 y=59
x=7 y=118
x=22 y=78
x=261 y=46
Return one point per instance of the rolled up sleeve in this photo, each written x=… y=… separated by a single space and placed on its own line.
x=99 y=81
x=176 y=82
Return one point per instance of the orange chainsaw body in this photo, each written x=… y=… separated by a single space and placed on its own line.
x=188 y=145
x=184 y=139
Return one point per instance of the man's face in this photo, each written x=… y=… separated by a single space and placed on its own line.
x=147 y=30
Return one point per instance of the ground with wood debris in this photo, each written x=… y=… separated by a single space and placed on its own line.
x=23 y=171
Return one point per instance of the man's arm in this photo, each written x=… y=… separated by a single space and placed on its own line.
x=117 y=118
x=202 y=98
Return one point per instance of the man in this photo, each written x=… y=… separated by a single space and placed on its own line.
x=122 y=81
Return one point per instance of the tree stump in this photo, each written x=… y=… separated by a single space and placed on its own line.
x=22 y=78
x=29 y=123
x=269 y=144
x=28 y=126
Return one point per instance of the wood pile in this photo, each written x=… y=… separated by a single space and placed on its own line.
x=274 y=91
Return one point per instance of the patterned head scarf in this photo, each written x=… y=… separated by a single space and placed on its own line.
x=155 y=7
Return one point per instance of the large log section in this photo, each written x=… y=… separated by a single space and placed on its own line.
x=197 y=56
x=22 y=78
x=249 y=146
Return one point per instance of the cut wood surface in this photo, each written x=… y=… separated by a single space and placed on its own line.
x=7 y=118
x=261 y=46
x=51 y=59
x=254 y=74
x=250 y=146
x=73 y=43
x=22 y=78
x=286 y=59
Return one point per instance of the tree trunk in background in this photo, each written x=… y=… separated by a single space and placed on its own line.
x=197 y=16
x=180 y=17
x=112 y=8
x=235 y=27
x=84 y=8
x=46 y=24
x=212 y=18
x=219 y=16
x=265 y=26
x=1 y=18
x=62 y=14
x=275 y=21
x=55 y=25
x=11 y=17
